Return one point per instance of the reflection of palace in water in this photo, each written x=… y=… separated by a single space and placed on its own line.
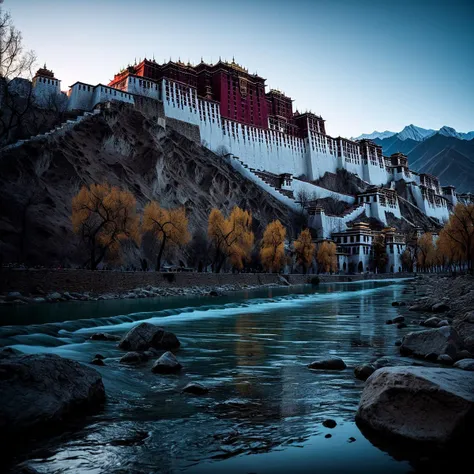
x=270 y=367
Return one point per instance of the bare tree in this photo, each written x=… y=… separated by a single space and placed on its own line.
x=16 y=97
x=303 y=198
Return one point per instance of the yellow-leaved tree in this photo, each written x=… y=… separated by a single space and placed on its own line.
x=326 y=256
x=169 y=226
x=304 y=249
x=448 y=251
x=426 y=255
x=104 y=216
x=459 y=232
x=232 y=238
x=272 y=253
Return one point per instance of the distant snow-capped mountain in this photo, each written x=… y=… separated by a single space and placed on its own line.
x=373 y=135
x=418 y=134
x=413 y=132
x=451 y=132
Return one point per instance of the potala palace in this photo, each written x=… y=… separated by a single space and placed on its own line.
x=282 y=150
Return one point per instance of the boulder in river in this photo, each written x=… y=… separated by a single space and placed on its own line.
x=146 y=336
x=166 y=364
x=329 y=423
x=364 y=371
x=431 y=322
x=335 y=363
x=465 y=364
x=398 y=319
x=445 y=359
x=422 y=307
x=97 y=361
x=195 y=389
x=464 y=325
x=133 y=358
x=463 y=355
x=44 y=390
x=424 y=404
x=438 y=341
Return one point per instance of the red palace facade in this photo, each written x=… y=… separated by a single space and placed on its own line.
x=241 y=95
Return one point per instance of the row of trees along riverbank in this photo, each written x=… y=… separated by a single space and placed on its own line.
x=107 y=220
x=451 y=250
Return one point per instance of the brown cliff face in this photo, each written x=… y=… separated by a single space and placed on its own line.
x=125 y=148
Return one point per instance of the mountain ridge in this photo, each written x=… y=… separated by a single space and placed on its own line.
x=413 y=132
x=447 y=157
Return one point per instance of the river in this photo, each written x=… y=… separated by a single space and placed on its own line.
x=265 y=409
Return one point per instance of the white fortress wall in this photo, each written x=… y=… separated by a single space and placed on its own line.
x=45 y=88
x=80 y=96
x=376 y=173
x=104 y=94
x=395 y=258
x=322 y=155
x=143 y=87
x=318 y=192
x=261 y=149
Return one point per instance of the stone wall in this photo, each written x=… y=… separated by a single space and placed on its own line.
x=98 y=282
x=187 y=129
x=29 y=281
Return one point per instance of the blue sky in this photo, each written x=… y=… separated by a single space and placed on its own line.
x=361 y=64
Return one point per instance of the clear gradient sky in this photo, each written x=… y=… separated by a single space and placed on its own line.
x=361 y=64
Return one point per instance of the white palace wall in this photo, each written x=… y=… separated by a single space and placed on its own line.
x=262 y=149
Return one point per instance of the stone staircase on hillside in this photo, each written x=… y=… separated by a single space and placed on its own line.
x=274 y=181
x=256 y=176
x=56 y=131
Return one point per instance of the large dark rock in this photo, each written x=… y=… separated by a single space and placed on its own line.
x=465 y=364
x=464 y=325
x=431 y=322
x=133 y=358
x=166 y=364
x=195 y=389
x=464 y=354
x=40 y=391
x=439 y=341
x=364 y=371
x=440 y=308
x=421 y=307
x=334 y=363
x=146 y=336
x=423 y=404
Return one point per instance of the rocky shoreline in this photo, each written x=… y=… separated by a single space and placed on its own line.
x=431 y=405
x=17 y=298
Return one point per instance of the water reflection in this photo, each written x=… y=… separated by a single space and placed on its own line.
x=251 y=349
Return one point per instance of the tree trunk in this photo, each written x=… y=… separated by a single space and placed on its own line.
x=160 y=254
x=219 y=264
x=92 y=263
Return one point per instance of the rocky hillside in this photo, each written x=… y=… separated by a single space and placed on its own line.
x=124 y=147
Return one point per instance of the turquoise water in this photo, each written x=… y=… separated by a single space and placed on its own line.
x=265 y=409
